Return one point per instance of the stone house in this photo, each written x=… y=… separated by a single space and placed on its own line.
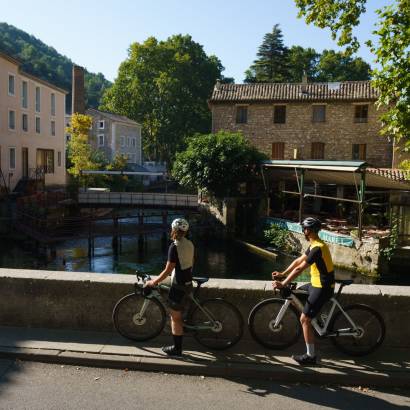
x=330 y=121
x=115 y=134
x=32 y=138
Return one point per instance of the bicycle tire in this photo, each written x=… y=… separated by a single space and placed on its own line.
x=230 y=324
x=369 y=322
x=261 y=320
x=128 y=324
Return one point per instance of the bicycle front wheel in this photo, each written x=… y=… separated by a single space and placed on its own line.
x=138 y=318
x=369 y=333
x=262 y=327
x=218 y=324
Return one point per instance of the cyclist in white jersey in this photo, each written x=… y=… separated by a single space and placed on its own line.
x=179 y=265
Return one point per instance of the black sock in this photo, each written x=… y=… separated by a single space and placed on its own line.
x=177 y=341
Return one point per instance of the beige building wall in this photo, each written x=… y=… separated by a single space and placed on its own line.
x=339 y=132
x=30 y=141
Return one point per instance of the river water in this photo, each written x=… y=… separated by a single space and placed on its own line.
x=213 y=258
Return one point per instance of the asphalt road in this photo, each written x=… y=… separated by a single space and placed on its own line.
x=32 y=386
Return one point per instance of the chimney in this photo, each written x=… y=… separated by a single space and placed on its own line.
x=218 y=84
x=78 y=91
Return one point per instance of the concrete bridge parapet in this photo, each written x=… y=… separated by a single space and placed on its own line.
x=82 y=300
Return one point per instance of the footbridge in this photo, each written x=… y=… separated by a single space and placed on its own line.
x=101 y=199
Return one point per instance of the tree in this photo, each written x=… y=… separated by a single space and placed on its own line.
x=217 y=163
x=278 y=63
x=302 y=61
x=392 y=73
x=118 y=182
x=81 y=156
x=271 y=64
x=335 y=66
x=164 y=85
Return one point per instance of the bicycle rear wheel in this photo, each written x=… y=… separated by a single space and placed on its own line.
x=134 y=325
x=227 y=328
x=370 y=333
x=261 y=324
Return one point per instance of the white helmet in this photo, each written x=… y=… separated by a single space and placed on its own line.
x=180 y=224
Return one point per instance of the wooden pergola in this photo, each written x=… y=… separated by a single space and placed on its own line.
x=342 y=173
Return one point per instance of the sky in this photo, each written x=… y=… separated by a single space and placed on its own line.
x=97 y=33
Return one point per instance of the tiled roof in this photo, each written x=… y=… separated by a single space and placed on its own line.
x=395 y=174
x=112 y=117
x=271 y=92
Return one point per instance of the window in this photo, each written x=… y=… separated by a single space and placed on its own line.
x=12 y=120
x=319 y=113
x=101 y=124
x=241 y=115
x=53 y=104
x=134 y=142
x=53 y=128
x=128 y=141
x=278 y=150
x=12 y=158
x=359 y=151
x=122 y=141
x=24 y=94
x=38 y=99
x=12 y=84
x=279 y=114
x=38 y=125
x=59 y=158
x=101 y=140
x=318 y=150
x=360 y=113
x=45 y=160
x=24 y=122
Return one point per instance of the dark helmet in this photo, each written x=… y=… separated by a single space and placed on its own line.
x=312 y=223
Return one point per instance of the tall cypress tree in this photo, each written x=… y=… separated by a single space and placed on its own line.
x=272 y=62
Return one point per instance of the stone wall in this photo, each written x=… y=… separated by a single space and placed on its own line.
x=66 y=300
x=363 y=257
x=338 y=132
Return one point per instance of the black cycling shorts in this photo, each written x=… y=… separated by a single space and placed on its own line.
x=317 y=297
x=178 y=297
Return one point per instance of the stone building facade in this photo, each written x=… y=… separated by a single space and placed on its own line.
x=330 y=121
x=115 y=134
x=32 y=138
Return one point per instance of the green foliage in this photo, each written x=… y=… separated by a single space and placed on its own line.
x=164 y=85
x=277 y=237
x=46 y=63
x=80 y=153
x=271 y=64
x=392 y=73
x=277 y=63
x=388 y=251
x=117 y=183
x=217 y=163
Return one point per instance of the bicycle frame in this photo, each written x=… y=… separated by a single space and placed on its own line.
x=322 y=331
x=155 y=293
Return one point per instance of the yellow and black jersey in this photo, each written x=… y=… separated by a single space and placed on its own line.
x=321 y=265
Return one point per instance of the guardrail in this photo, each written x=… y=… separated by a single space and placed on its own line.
x=138 y=198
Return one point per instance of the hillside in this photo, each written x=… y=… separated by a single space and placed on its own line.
x=45 y=62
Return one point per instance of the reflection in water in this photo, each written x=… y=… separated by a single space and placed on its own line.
x=216 y=259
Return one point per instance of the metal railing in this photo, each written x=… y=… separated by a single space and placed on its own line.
x=138 y=198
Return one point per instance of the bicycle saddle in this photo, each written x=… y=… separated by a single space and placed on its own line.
x=200 y=280
x=344 y=282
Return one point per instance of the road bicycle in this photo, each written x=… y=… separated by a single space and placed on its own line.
x=215 y=323
x=356 y=329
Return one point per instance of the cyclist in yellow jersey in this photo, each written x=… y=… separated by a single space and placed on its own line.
x=320 y=288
